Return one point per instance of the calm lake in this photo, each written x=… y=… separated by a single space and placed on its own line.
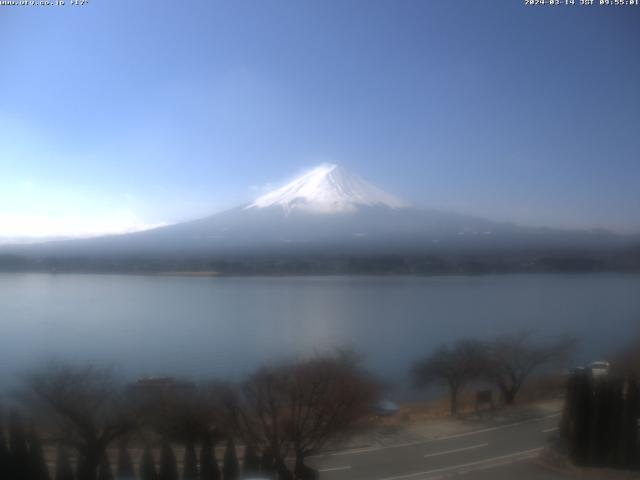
x=224 y=327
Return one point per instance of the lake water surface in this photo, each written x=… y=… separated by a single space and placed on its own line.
x=226 y=326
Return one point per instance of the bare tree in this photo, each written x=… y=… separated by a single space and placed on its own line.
x=63 y=465
x=84 y=406
x=452 y=366
x=19 y=459
x=182 y=412
x=230 y=465
x=255 y=410
x=301 y=405
x=168 y=464
x=125 y=470
x=513 y=358
x=4 y=450
x=628 y=359
x=148 y=469
x=267 y=465
x=190 y=463
x=251 y=463
x=104 y=469
x=37 y=464
x=326 y=397
x=209 y=469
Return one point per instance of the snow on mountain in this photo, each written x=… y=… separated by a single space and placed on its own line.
x=327 y=188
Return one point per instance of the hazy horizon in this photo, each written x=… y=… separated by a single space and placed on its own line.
x=258 y=192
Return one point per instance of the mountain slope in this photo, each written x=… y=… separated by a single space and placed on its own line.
x=328 y=211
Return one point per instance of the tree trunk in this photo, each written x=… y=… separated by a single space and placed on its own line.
x=302 y=471
x=509 y=396
x=454 y=399
x=299 y=464
x=282 y=470
x=88 y=465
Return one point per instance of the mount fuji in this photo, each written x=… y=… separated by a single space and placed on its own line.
x=327 y=189
x=328 y=214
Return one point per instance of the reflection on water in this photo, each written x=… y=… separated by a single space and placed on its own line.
x=226 y=326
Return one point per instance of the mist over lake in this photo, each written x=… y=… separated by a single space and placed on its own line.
x=224 y=327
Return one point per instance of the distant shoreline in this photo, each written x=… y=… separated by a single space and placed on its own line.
x=293 y=264
x=216 y=274
x=204 y=273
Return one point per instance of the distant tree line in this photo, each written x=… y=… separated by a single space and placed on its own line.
x=506 y=362
x=467 y=262
x=277 y=417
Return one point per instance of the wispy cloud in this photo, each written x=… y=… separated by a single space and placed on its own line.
x=35 y=226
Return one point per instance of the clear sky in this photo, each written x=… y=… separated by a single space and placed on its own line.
x=122 y=114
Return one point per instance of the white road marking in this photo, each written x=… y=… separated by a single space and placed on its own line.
x=499 y=427
x=446 y=452
x=550 y=430
x=335 y=469
x=500 y=461
x=353 y=452
x=356 y=451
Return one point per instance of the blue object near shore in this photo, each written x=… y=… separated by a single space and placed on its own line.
x=386 y=408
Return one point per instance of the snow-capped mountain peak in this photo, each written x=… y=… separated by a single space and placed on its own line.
x=327 y=188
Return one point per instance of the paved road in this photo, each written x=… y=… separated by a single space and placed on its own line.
x=501 y=452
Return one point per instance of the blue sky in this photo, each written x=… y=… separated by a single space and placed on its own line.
x=123 y=114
